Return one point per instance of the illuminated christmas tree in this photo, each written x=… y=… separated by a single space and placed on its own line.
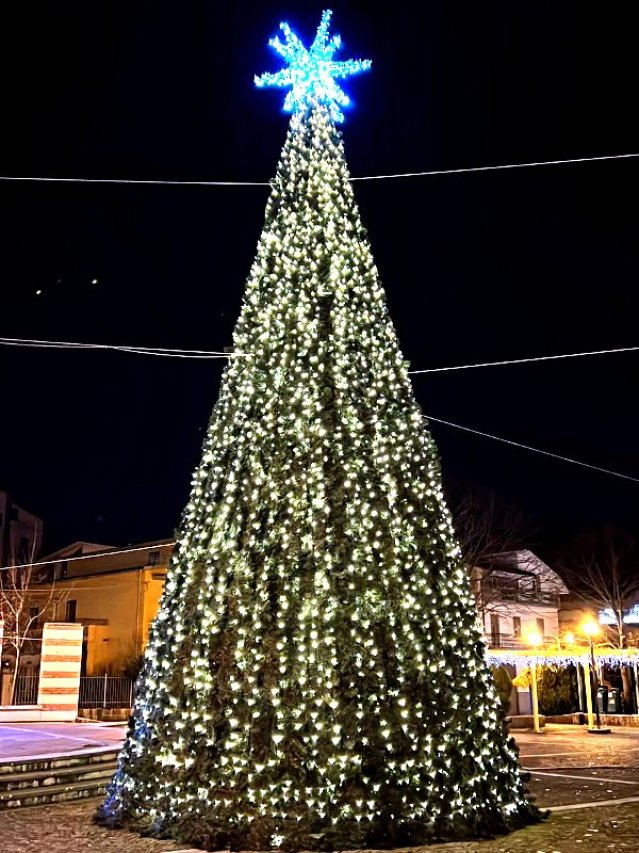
x=315 y=677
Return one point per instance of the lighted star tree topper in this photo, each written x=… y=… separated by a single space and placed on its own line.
x=315 y=676
x=311 y=74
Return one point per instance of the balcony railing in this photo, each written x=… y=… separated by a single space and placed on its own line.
x=106 y=691
x=25 y=691
x=488 y=592
x=508 y=641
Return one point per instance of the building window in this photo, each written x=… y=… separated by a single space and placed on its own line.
x=155 y=558
x=540 y=627
x=60 y=570
x=24 y=547
x=495 y=636
x=517 y=627
x=34 y=613
x=72 y=610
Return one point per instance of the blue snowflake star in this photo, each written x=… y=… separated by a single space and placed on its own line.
x=311 y=74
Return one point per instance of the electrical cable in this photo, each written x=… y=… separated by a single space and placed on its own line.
x=435 y=172
x=534 y=449
x=430 y=173
x=110 y=552
x=427 y=417
x=524 y=360
x=197 y=353
x=136 y=181
x=139 y=350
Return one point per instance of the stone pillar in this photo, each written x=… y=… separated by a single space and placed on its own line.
x=59 y=684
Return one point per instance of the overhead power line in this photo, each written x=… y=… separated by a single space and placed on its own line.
x=199 y=353
x=138 y=350
x=462 y=171
x=430 y=173
x=94 y=556
x=215 y=354
x=524 y=360
x=508 y=441
x=137 y=181
x=534 y=449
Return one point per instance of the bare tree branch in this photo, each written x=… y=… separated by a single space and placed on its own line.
x=487 y=527
x=604 y=575
x=27 y=594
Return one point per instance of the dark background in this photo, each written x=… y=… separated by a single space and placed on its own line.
x=477 y=267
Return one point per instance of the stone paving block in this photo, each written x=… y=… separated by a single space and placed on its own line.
x=68 y=829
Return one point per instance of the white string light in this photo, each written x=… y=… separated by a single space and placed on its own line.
x=534 y=449
x=430 y=173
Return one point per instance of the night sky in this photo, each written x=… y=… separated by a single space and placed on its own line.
x=476 y=267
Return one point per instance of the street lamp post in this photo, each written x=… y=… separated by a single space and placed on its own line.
x=589 y=691
x=590 y=628
x=534 y=640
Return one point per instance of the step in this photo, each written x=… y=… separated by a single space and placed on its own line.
x=52 y=794
x=56 y=778
x=63 y=775
x=30 y=764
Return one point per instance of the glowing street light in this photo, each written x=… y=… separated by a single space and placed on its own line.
x=590 y=628
x=535 y=640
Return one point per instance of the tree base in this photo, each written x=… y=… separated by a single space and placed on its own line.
x=266 y=834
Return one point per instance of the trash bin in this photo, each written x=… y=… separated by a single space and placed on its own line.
x=602 y=699
x=615 y=701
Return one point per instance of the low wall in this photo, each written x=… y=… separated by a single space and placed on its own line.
x=31 y=714
x=120 y=715
x=580 y=719
x=525 y=721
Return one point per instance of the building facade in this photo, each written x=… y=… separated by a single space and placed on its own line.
x=20 y=544
x=112 y=592
x=20 y=533
x=519 y=599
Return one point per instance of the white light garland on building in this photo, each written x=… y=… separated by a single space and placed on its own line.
x=562 y=657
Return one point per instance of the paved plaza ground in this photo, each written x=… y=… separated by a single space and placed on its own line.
x=30 y=740
x=590 y=784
